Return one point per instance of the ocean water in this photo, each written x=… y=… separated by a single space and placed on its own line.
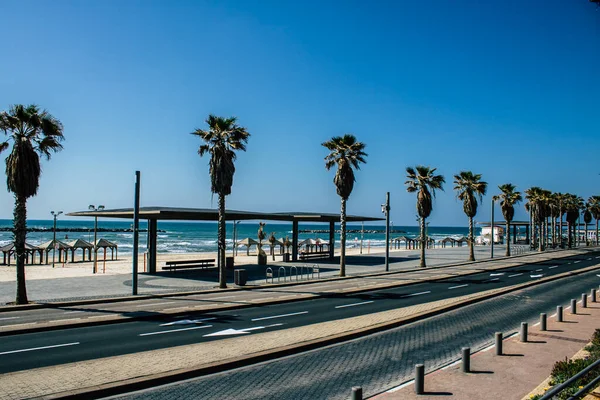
x=183 y=237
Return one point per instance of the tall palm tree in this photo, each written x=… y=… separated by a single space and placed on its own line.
x=534 y=206
x=424 y=182
x=573 y=205
x=222 y=139
x=33 y=132
x=560 y=200
x=469 y=186
x=345 y=152
x=508 y=198
x=594 y=202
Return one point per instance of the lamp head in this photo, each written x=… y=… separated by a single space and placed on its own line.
x=100 y=208
x=52 y=212
x=383 y=208
x=91 y=207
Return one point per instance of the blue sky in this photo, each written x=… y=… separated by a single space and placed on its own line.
x=506 y=89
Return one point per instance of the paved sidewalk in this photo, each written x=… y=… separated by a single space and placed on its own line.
x=515 y=374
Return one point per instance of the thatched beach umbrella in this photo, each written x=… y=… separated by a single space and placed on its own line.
x=62 y=247
x=104 y=244
x=247 y=242
x=30 y=250
x=448 y=239
x=83 y=245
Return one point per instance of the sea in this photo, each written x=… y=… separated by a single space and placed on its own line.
x=185 y=237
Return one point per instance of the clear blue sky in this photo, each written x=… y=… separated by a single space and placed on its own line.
x=508 y=89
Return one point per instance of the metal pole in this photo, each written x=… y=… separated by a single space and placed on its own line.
x=583 y=300
x=466 y=359
x=362 y=235
x=573 y=306
x=559 y=314
x=543 y=321
x=357 y=393
x=498 y=343
x=54 y=241
x=387 y=231
x=419 y=379
x=136 y=234
x=492 y=239
x=593 y=295
x=524 y=326
x=95 y=248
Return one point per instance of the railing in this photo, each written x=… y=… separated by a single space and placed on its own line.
x=582 y=392
x=300 y=272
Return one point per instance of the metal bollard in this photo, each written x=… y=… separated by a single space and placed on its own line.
x=543 y=321
x=559 y=314
x=357 y=393
x=583 y=300
x=466 y=359
x=498 y=343
x=593 y=295
x=573 y=306
x=524 y=332
x=419 y=379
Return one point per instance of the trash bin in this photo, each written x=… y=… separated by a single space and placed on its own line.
x=229 y=262
x=286 y=257
x=240 y=277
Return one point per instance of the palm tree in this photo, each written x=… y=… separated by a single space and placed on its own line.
x=470 y=186
x=345 y=152
x=594 y=202
x=222 y=139
x=560 y=200
x=573 y=205
x=423 y=180
x=508 y=198
x=33 y=132
x=534 y=206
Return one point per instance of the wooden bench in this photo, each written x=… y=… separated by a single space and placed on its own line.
x=185 y=264
x=317 y=254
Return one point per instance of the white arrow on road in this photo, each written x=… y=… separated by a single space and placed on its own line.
x=230 y=331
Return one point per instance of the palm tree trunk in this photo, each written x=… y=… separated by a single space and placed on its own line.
x=541 y=229
x=553 y=231
x=596 y=231
x=343 y=238
x=471 y=241
x=507 y=239
x=560 y=227
x=569 y=237
x=422 y=264
x=586 y=232
x=221 y=255
x=20 y=232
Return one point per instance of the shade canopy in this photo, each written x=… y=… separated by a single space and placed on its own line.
x=80 y=244
x=247 y=242
x=50 y=245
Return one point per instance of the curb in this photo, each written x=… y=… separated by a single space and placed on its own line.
x=141 y=383
x=118 y=319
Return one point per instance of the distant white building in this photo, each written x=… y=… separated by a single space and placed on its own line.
x=486 y=234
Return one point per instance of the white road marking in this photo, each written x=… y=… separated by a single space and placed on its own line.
x=459 y=286
x=39 y=348
x=188 y=321
x=513 y=275
x=355 y=304
x=392 y=390
x=66 y=319
x=279 y=316
x=154 y=304
x=589 y=258
x=537 y=276
x=497 y=273
x=554 y=266
x=538 y=270
x=420 y=293
x=578 y=261
x=229 y=332
x=175 y=330
x=598 y=257
x=491 y=280
x=6 y=318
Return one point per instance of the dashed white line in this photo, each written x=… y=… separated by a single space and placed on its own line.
x=513 y=275
x=459 y=286
x=418 y=294
x=578 y=261
x=175 y=330
x=491 y=280
x=554 y=266
x=39 y=348
x=497 y=274
x=279 y=316
x=538 y=270
x=154 y=304
x=6 y=318
x=354 y=304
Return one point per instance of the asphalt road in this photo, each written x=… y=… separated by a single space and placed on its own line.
x=33 y=350
x=384 y=360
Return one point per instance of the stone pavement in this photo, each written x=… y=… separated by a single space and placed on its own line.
x=103 y=286
x=511 y=375
x=99 y=374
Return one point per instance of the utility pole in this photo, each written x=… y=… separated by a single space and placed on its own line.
x=492 y=240
x=136 y=234
x=95 y=209
x=385 y=208
x=54 y=214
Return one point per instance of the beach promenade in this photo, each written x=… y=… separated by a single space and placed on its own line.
x=103 y=376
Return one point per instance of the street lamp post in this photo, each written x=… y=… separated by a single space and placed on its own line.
x=385 y=208
x=362 y=235
x=492 y=241
x=54 y=214
x=94 y=208
x=235 y=223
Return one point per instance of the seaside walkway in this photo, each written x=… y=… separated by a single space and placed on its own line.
x=101 y=375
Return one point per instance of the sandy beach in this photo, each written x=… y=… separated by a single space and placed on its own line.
x=124 y=264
